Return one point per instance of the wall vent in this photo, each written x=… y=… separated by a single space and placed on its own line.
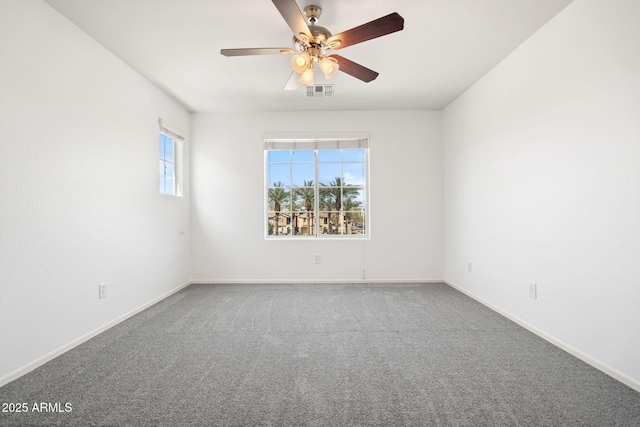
x=320 y=90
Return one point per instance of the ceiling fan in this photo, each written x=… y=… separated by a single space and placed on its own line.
x=311 y=43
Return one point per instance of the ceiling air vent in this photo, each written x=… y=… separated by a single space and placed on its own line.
x=320 y=90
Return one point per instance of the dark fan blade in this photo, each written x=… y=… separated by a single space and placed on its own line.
x=355 y=70
x=294 y=18
x=256 y=51
x=371 y=30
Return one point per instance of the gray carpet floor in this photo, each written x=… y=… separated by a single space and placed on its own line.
x=319 y=355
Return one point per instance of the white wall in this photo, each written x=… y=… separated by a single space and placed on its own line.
x=79 y=202
x=542 y=184
x=406 y=200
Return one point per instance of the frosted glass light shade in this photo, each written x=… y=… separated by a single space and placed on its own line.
x=300 y=62
x=329 y=67
x=306 y=78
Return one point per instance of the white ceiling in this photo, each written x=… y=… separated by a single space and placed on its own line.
x=446 y=46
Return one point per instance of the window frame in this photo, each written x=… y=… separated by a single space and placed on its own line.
x=178 y=141
x=318 y=144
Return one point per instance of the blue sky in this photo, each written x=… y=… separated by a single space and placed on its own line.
x=298 y=166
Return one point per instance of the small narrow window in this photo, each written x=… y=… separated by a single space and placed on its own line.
x=167 y=165
x=170 y=158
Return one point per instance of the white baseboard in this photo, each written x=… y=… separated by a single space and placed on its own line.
x=307 y=281
x=558 y=343
x=57 y=352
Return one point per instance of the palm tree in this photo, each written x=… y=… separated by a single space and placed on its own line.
x=325 y=205
x=334 y=194
x=278 y=195
x=306 y=194
x=350 y=205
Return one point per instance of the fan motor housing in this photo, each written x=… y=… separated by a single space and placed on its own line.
x=320 y=37
x=320 y=34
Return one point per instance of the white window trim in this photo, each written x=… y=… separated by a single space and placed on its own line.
x=317 y=141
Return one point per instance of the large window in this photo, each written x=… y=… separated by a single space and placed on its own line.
x=316 y=188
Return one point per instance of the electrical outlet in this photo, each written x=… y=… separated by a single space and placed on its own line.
x=470 y=267
x=533 y=290
x=317 y=258
x=102 y=290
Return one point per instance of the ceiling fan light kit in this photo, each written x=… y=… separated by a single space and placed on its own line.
x=311 y=42
x=329 y=66
x=306 y=78
x=300 y=62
